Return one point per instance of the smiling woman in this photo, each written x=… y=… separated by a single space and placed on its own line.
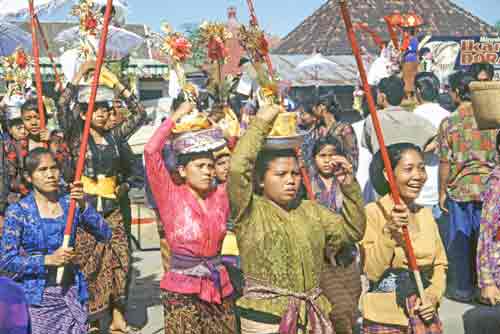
x=392 y=304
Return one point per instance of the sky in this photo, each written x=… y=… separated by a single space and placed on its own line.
x=278 y=17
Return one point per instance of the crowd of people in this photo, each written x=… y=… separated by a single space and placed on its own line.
x=254 y=239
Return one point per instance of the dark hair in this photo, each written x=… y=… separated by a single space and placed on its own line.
x=477 y=68
x=84 y=107
x=325 y=141
x=459 y=82
x=427 y=85
x=265 y=159
x=377 y=168
x=184 y=159
x=422 y=52
x=33 y=159
x=330 y=102
x=14 y=122
x=31 y=105
x=393 y=88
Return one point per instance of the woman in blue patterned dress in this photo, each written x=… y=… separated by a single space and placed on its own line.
x=31 y=248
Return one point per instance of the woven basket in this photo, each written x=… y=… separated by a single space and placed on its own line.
x=486 y=103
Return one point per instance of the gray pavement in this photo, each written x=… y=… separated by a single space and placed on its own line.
x=145 y=310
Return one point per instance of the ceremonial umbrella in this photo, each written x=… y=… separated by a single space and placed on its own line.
x=316 y=64
x=120 y=42
x=12 y=9
x=11 y=37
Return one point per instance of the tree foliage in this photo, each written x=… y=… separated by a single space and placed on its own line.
x=192 y=32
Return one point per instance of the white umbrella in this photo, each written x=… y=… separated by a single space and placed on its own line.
x=17 y=9
x=316 y=64
x=11 y=37
x=119 y=44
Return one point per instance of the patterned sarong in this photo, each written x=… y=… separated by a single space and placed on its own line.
x=60 y=313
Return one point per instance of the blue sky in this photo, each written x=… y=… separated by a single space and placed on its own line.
x=276 y=16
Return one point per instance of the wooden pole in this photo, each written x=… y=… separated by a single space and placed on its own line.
x=49 y=53
x=412 y=262
x=36 y=58
x=86 y=130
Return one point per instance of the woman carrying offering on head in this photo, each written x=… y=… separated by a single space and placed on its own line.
x=106 y=267
x=282 y=240
x=31 y=248
x=196 y=289
x=392 y=304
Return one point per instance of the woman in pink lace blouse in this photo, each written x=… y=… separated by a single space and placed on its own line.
x=196 y=290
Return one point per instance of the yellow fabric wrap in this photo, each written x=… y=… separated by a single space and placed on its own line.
x=104 y=186
x=230 y=245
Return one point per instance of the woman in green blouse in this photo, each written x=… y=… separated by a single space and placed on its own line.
x=282 y=241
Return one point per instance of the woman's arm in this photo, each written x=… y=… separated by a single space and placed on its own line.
x=240 y=184
x=137 y=116
x=95 y=224
x=12 y=259
x=377 y=245
x=160 y=181
x=349 y=226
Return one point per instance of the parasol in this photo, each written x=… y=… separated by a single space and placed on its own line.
x=316 y=65
x=11 y=37
x=120 y=42
x=19 y=9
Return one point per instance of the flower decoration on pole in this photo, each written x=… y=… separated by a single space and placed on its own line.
x=179 y=49
x=18 y=68
x=216 y=35
x=91 y=22
x=253 y=40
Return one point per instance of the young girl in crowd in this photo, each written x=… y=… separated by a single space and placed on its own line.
x=341 y=278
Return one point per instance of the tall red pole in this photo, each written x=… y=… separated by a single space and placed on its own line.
x=412 y=262
x=36 y=57
x=86 y=130
x=49 y=53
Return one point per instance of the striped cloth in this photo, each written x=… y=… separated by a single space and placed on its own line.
x=342 y=287
x=60 y=313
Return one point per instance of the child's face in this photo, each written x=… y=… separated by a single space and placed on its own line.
x=323 y=160
x=18 y=132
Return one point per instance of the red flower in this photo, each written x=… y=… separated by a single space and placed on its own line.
x=21 y=59
x=90 y=23
x=263 y=45
x=181 y=48
x=12 y=156
x=217 y=51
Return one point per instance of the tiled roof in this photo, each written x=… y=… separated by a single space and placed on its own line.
x=324 y=31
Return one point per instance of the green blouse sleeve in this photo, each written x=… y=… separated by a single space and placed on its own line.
x=349 y=226
x=240 y=185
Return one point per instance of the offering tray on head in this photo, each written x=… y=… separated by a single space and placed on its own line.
x=284 y=135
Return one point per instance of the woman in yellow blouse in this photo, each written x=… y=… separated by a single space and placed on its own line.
x=391 y=305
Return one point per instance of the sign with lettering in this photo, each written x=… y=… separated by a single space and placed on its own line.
x=452 y=53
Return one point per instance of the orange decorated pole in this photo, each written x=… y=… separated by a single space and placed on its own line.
x=86 y=130
x=255 y=22
x=305 y=176
x=412 y=262
x=36 y=57
x=49 y=53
